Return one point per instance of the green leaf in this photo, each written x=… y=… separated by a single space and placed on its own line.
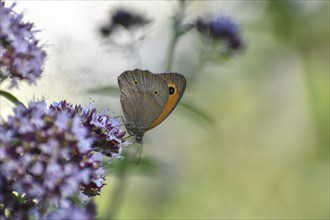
x=106 y=90
x=10 y=97
x=196 y=112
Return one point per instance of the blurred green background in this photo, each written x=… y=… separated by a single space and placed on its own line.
x=265 y=155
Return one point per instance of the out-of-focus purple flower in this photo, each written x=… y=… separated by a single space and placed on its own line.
x=128 y=19
x=221 y=28
x=50 y=154
x=21 y=57
x=123 y=18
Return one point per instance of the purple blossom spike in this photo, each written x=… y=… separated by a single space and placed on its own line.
x=21 y=56
x=50 y=154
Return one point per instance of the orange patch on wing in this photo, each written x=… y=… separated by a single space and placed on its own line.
x=170 y=105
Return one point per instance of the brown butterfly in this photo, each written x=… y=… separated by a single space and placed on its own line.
x=148 y=98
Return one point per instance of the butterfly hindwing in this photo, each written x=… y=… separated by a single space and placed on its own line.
x=176 y=84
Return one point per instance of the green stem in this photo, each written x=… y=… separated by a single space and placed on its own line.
x=321 y=127
x=10 y=97
x=170 y=55
x=178 y=32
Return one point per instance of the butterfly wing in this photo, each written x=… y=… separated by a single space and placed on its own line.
x=143 y=97
x=176 y=84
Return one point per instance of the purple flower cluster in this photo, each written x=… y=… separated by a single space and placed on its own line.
x=104 y=130
x=123 y=18
x=21 y=57
x=75 y=213
x=50 y=154
x=221 y=29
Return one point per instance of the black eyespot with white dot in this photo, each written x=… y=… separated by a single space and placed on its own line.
x=136 y=82
x=171 y=90
x=156 y=92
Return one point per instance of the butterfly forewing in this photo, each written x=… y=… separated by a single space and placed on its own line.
x=143 y=96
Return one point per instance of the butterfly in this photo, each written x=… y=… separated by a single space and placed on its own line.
x=147 y=99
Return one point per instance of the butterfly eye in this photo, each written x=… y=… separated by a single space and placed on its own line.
x=171 y=90
x=136 y=82
x=156 y=92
